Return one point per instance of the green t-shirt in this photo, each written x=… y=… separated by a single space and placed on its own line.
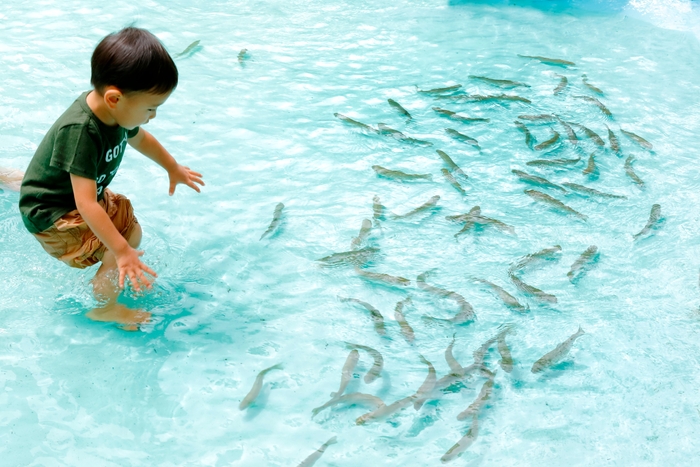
x=78 y=143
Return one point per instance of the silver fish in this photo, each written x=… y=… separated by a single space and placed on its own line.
x=545 y=198
x=406 y=329
x=534 y=291
x=578 y=268
x=450 y=163
x=502 y=226
x=591 y=191
x=489 y=97
x=242 y=55
x=376 y=316
x=654 y=218
x=637 y=139
x=460 y=118
x=276 y=219
x=400 y=108
x=441 y=90
x=385 y=411
x=546 y=144
x=311 y=460
x=257 y=386
x=354 y=122
x=538 y=118
x=398 y=175
x=428 y=205
x=376 y=369
x=562 y=84
x=480 y=353
x=475 y=211
x=501 y=83
x=454 y=134
x=189 y=49
x=549 y=61
x=452 y=181
x=508 y=299
x=544 y=254
x=529 y=140
x=506 y=360
x=584 y=78
x=452 y=362
x=465 y=313
x=592 y=135
x=591 y=169
x=365 y=230
x=377 y=209
x=595 y=101
x=346 y=375
x=614 y=143
x=479 y=402
x=552 y=162
x=427 y=387
x=558 y=354
x=534 y=179
x=355 y=257
x=630 y=172
x=573 y=139
x=463 y=444
x=383 y=278
x=354 y=398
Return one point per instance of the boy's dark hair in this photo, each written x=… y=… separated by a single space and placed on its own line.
x=133 y=60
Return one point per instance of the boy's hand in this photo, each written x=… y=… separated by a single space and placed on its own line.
x=130 y=265
x=182 y=174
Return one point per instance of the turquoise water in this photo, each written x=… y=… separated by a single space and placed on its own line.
x=227 y=305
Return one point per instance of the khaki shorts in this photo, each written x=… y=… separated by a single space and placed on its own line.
x=71 y=240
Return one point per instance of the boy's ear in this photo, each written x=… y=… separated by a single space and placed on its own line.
x=112 y=95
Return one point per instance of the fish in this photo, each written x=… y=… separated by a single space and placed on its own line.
x=346 y=374
x=545 y=198
x=555 y=356
x=376 y=316
x=591 y=135
x=460 y=118
x=614 y=143
x=545 y=254
x=526 y=177
x=534 y=291
x=356 y=257
x=354 y=122
x=591 y=169
x=463 y=444
x=406 y=329
x=591 y=191
x=479 y=402
x=501 y=83
x=383 y=278
x=552 y=162
x=189 y=49
x=506 y=360
x=562 y=84
x=354 y=398
x=396 y=134
x=376 y=369
x=508 y=299
x=440 y=90
x=385 y=411
x=427 y=387
x=398 y=175
x=573 y=139
x=584 y=78
x=242 y=55
x=311 y=460
x=502 y=226
x=452 y=181
x=452 y=362
x=276 y=219
x=538 y=118
x=428 y=205
x=257 y=386
x=654 y=218
x=465 y=313
x=480 y=353
x=488 y=97
x=595 y=101
x=475 y=211
x=578 y=268
x=549 y=61
x=529 y=140
x=456 y=135
x=548 y=143
x=378 y=209
x=400 y=108
x=365 y=230
x=637 y=139
x=630 y=172
x=450 y=163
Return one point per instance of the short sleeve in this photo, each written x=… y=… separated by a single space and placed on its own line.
x=131 y=133
x=75 y=151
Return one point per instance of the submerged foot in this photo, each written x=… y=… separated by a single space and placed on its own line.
x=118 y=313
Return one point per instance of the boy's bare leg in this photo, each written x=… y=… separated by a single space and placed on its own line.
x=104 y=286
x=10 y=179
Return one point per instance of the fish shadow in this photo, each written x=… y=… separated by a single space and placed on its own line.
x=561 y=369
x=259 y=404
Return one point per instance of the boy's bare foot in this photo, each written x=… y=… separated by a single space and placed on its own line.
x=118 y=313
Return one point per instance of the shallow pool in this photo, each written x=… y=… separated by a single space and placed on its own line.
x=263 y=131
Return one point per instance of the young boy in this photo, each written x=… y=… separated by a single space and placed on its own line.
x=64 y=200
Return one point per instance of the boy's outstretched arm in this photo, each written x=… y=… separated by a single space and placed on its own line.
x=147 y=145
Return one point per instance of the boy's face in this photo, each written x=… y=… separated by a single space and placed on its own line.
x=134 y=109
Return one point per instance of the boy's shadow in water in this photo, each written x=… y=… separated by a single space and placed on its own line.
x=554 y=6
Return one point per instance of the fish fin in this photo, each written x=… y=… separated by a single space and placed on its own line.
x=333 y=440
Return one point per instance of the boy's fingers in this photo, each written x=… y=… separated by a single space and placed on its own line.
x=121 y=278
x=134 y=282
x=144 y=280
x=193 y=186
x=196 y=174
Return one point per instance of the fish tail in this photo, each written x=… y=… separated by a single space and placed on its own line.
x=333 y=440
